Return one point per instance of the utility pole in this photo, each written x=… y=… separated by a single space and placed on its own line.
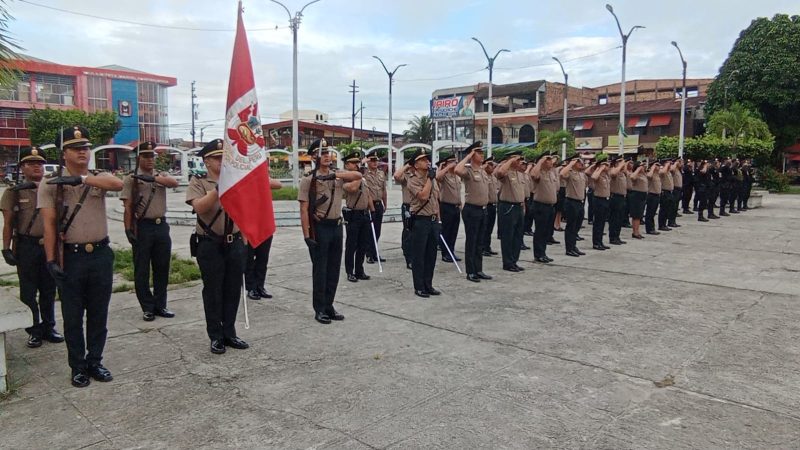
x=490 y=62
x=564 y=118
x=389 y=141
x=683 y=101
x=624 y=37
x=354 y=91
x=194 y=112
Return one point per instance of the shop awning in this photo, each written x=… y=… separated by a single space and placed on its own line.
x=791 y=157
x=584 y=125
x=635 y=122
x=660 y=120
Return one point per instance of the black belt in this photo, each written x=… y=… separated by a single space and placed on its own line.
x=88 y=247
x=664 y=190
x=38 y=240
x=618 y=195
x=157 y=220
x=601 y=198
x=224 y=239
x=330 y=221
x=474 y=206
x=433 y=218
x=510 y=203
x=535 y=202
x=455 y=205
x=653 y=194
x=574 y=200
x=490 y=204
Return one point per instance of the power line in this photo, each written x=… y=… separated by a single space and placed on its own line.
x=143 y=24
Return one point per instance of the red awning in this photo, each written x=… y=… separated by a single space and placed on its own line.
x=632 y=121
x=660 y=120
x=588 y=124
x=793 y=157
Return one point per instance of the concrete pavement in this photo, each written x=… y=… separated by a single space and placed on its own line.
x=567 y=355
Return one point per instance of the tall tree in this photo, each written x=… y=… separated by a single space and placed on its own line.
x=8 y=47
x=420 y=130
x=761 y=73
x=550 y=141
x=737 y=123
x=43 y=125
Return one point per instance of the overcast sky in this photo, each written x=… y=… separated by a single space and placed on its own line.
x=337 y=39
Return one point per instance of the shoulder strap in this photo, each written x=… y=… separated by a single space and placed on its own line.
x=76 y=210
x=149 y=200
x=207 y=227
x=330 y=202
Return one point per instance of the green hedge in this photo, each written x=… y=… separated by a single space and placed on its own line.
x=285 y=193
x=707 y=147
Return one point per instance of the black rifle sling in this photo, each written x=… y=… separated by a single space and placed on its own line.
x=77 y=209
x=149 y=200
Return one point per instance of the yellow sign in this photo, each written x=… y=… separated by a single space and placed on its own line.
x=588 y=143
x=630 y=141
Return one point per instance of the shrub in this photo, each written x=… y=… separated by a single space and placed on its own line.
x=772 y=180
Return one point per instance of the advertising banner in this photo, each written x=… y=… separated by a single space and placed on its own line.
x=452 y=107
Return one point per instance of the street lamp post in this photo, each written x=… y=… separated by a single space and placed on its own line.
x=622 y=85
x=491 y=70
x=564 y=121
x=294 y=24
x=201 y=131
x=391 y=147
x=683 y=101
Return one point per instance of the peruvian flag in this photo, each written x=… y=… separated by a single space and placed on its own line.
x=244 y=179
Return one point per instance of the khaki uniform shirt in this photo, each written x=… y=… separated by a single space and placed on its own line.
x=654 y=183
x=376 y=184
x=493 y=186
x=619 y=184
x=602 y=185
x=666 y=182
x=416 y=184
x=512 y=188
x=639 y=183
x=576 y=185
x=90 y=223
x=451 y=189
x=629 y=182
x=476 y=186
x=158 y=206
x=359 y=199
x=404 y=188
x=525 y=179
x=199 y=187
x=547 y=187
x=677 y=179
x=331 y=189
x=28 y=221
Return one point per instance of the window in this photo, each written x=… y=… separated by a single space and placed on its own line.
x=527 y=134
x=152 y=112
x=96 y=90
x=55 y=89
x=602 y=100
x=19 y=91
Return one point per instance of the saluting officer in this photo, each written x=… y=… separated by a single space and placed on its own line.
x=575 y=195
x=677 y=192
x=144 y=195
x=450 y=203
x=220 y=253
x=73 y=209
x=653 y=198
x=399 y=177
x=510 y=208
x=320 y=197
x=619 y=192
x=601 y=194
x=545 y=175
x=637 y=198
x=476 y=197
x=491 y=208
x=356 y=216
x=375 y=179
x=665 y=203
x=702 y=181
x=23 y=227
x=425 y=225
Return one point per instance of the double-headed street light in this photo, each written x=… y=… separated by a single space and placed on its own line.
x=491 y=69
x=683 y=100
x=294 y=24
x=391 y=146
x=624 y=37
x=564 y=124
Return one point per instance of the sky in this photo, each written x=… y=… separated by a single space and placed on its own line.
x=337 y=39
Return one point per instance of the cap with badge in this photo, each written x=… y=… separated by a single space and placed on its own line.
x=32 y=154
x=445 y=157
x=146 y=148
x=373 y=155
x=354 y=156
x=417 y=155
x=511 y=154
x=75 y=137
x=476 y=146
x=213 y=148
x=318 y=147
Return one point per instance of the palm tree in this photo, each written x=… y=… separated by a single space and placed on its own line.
x=737 y=122
x=551 y=141
x=8 y=46
x=420 y=130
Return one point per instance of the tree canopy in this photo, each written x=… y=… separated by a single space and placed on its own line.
x=761 y=73
x=8 y=47
x=44 y=124
x=420 y=130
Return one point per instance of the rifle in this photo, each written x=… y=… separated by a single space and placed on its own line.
x=312 y=204
x=133 y=201
x=61 y=212
x=15 y=219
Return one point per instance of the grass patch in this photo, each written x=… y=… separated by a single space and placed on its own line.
x=181 y=270
x=122 y=287
x=6 y=283
x=794 y=189
x=285 y=193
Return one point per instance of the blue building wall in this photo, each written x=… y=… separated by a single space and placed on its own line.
x=126 y=90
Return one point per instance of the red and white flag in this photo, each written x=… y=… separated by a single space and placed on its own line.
x=244 y=180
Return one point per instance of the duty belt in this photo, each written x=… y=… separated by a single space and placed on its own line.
x=31 y=239
x=88 y=247
x=330 y=221
x=474 y=206
x=224 y=239
x=510 y=203
x=433 y=217
x=157 y=220
x=618 y=195
x=574 y=199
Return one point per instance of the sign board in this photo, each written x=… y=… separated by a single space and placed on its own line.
x=451 y=107
x=629 y=141
x=589 y=143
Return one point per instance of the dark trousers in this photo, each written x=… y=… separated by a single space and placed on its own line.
x=748 y=188
x=710 y=197
x=601 y=211
x=687 y=198
x=255 y=272
x=377 y=221
x=424 y=238
x=573 y=210
x=700 y=198
x=626 y=215
x=405 y=236
x=617 y=216
x=664 y=208
x=33 y=279
x=527 y=225
x=590 y=200
x=734 y=196
x=677 y=194
x=358 y=242
x=450 y=222
x=474 y=227
x=326 y=262
x=86 y=288
x=509 y=221
x=153 y=250
x=724 y=195
x=650 y=213
x=491 y=216
x=543 y=216
x=222 y=269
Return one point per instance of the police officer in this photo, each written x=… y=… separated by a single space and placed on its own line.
x=511 y=208
x=73 y=206
x=375 y=179
x=701 y=181
x=425 y=225
x=400 y=175
x=619 y=192
x=575 y=194
x=747 y=183
x=255 y=271
x=144 y=195
x=725 y=185
x=688 y=185
x=491 y=207
x=220 y=253
x=714 y=188
x=545 y=175
x=653 y=197
x=450 y=203
x=320 y=197
x=676 y=171
x=476 y=197
x=637 y=198
x=602 y=193
x=736 y=187
x=356 y=214
x=23 y=227
x=525 y=179
x=665 y=201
